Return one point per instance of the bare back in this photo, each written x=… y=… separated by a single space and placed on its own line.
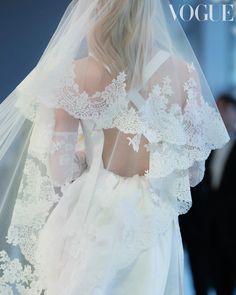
x=117 y=154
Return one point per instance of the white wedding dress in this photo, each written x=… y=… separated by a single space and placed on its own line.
x=105 y=156
x=130 y=242
x=128 y=245
x=88 y=229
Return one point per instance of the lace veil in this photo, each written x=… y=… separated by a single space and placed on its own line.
x=119 y=87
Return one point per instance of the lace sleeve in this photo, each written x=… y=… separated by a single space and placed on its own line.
x=65 y=163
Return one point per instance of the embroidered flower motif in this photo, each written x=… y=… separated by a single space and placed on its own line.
x=191 y=88
x=155 y=119
x=135 y=141
x=166 y=89
x=81 y=105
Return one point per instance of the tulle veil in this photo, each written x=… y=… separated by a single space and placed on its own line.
x=168 y=106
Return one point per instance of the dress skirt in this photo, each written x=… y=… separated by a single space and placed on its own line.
x=129 y=245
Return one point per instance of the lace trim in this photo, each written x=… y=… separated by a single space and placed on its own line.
x=32 y=207
x=155 y=120
x=131 y=243
x=171 y=149
x=191 y=139
x=194 y=126
x=81 y=105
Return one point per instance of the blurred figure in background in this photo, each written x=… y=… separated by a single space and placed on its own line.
x=209 y=230
x=222 y=205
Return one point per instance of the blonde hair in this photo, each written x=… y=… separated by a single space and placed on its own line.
x=121 y=37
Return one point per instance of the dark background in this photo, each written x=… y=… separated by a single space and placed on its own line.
x=26 y=26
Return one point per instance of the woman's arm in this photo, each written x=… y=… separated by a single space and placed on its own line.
x=64 y=164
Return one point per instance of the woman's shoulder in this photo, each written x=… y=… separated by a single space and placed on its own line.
x=90 y=74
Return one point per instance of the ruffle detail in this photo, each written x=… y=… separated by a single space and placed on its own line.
x=197 y=126
x=204 y=131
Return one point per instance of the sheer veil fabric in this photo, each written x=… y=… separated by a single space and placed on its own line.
x=89 y=103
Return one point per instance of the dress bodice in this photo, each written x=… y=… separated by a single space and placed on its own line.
x=177 y=142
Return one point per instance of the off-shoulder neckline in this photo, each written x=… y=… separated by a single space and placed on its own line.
x=120 y=79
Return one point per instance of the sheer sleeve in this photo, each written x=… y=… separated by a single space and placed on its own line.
x=65 y=163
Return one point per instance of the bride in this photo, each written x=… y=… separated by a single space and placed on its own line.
x=107 y=135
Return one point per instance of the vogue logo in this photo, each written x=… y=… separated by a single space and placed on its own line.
x=204 y=12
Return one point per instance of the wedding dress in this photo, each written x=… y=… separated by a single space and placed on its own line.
x=130 y=241
x=103 y=166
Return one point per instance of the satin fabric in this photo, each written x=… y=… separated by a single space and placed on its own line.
x=94 y=258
